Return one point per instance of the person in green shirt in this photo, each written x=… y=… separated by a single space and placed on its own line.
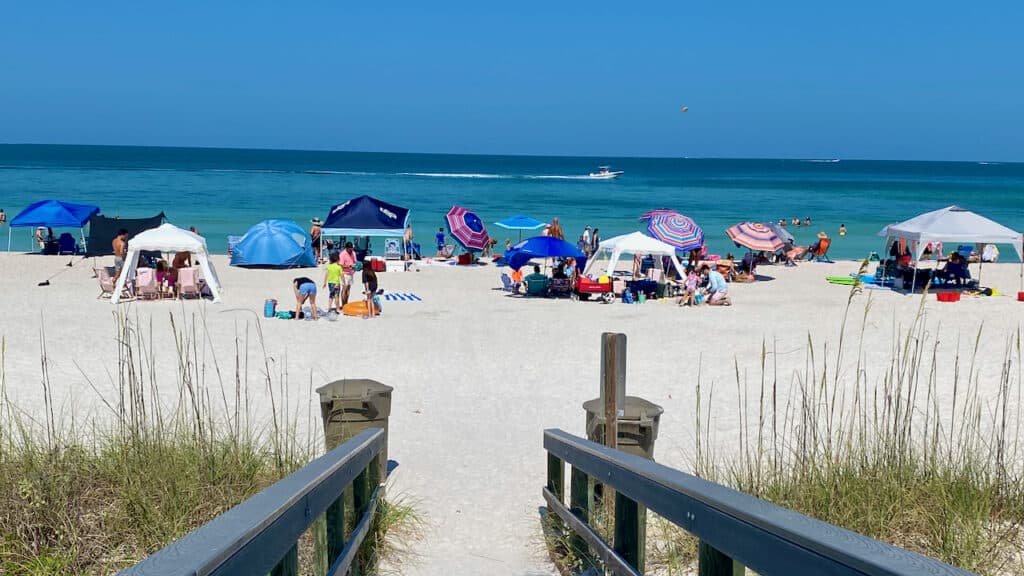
x=332 y=280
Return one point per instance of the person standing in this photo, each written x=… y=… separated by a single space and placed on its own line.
x=369 y=288
x=595 y=242
x=556 y=229
x=842 y=229
x=120 y=246
x=586 y=241
x=314 y=236
x=332 y=281
x=347 y=260
x=3 y=217
x=440 y=242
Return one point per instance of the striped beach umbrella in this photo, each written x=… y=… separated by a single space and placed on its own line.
x=755 y=236
x=674 y=229
x=467 y=228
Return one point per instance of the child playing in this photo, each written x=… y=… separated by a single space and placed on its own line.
x=690 y=288
x=332 y=280
x=440 y=241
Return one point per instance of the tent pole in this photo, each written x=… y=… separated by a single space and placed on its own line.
x=8 y=238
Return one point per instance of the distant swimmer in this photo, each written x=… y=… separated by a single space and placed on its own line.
x=807 y=221
x=796 y=221
x=782 y=222
x=842 y=229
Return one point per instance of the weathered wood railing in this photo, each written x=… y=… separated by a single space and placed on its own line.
x=735 y=530
x=259 y=536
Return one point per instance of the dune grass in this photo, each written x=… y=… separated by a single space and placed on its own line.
x=910 y=452
x=92 y=494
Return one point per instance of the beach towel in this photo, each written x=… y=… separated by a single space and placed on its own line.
x=402 y=297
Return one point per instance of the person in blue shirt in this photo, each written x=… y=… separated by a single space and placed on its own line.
x=440 y=241
x=718 y=290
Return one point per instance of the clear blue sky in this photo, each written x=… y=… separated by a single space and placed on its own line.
x=896 y=79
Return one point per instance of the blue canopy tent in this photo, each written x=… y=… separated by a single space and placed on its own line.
x=542 y=247
x=274 y=244
x=52 y=214
x=366 y=216
x=520 y=223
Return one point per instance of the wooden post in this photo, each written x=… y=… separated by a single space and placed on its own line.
x=361 y=491
x=289 y=565
x=711 y=562
x=581 y=501
x=613 y=384
x=556 y=484
x=630 y=531
x=321 y=563
x=335 y=517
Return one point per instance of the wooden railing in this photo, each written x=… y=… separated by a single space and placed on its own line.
x=259 y=536
x=735 y=530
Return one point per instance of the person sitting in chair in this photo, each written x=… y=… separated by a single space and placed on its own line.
x=955 y=269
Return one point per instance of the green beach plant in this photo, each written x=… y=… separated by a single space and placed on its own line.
x=910 y=452
x=165 y=454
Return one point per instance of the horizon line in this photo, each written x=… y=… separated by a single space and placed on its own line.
x=836 y=159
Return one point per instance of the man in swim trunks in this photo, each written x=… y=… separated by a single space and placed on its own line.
x=347 y=259
x=305 y=291
x=120 y=246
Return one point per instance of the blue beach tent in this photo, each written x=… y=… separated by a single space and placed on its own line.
x=274 y=244
x=542 y=247
x=52 y=214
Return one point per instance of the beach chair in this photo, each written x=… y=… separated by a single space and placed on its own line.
x=507 y=284
x=105 y=276
x=537 y=286
x=145 y=284
x=66 y=244
x=188 y=282
x=821 y=253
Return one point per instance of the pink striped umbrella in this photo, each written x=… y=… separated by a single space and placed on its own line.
x=467 y=228
x=755 y=236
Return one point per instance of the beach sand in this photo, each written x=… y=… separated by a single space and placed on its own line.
x=478 y=375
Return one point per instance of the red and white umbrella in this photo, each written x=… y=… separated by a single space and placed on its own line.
x=467 y=228
x=755 y=236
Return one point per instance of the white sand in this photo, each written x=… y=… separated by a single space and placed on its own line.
x=477 y=374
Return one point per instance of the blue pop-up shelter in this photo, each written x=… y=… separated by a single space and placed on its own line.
x=542 y=247
x=367 y=216
x=274 y=244
x=53 y=214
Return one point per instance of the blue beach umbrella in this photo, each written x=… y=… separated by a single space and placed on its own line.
x=520 y=223
x=674 y=229
x=541 y=247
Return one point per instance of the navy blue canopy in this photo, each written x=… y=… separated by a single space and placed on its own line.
x=55 y=214
x=541 y=247
x=366 y=216
x=274 y=244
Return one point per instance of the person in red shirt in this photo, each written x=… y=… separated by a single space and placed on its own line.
x=347 y=259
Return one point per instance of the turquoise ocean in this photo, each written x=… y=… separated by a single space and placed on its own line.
x=224 y=191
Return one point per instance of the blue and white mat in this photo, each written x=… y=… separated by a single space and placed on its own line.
x=402 y=296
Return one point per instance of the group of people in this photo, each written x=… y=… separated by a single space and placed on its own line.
x=339 y=277
x=795 y=221
x=166 y=274
x=704 y=285
x=589 y=241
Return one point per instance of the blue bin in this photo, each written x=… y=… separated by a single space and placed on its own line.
x=269 y=308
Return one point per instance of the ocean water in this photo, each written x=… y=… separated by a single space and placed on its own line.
x=224 y=191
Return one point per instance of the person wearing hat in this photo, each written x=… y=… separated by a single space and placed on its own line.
x=314 y=236
x=820 y=246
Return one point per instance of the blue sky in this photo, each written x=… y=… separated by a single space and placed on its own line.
x=900 y=80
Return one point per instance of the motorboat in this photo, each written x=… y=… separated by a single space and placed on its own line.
x=605 y=173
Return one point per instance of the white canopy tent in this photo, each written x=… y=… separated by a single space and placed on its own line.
x=606 y=257
x=167 y=238
x=956 y=225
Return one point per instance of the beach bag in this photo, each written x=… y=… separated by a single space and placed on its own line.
x=627 y=296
